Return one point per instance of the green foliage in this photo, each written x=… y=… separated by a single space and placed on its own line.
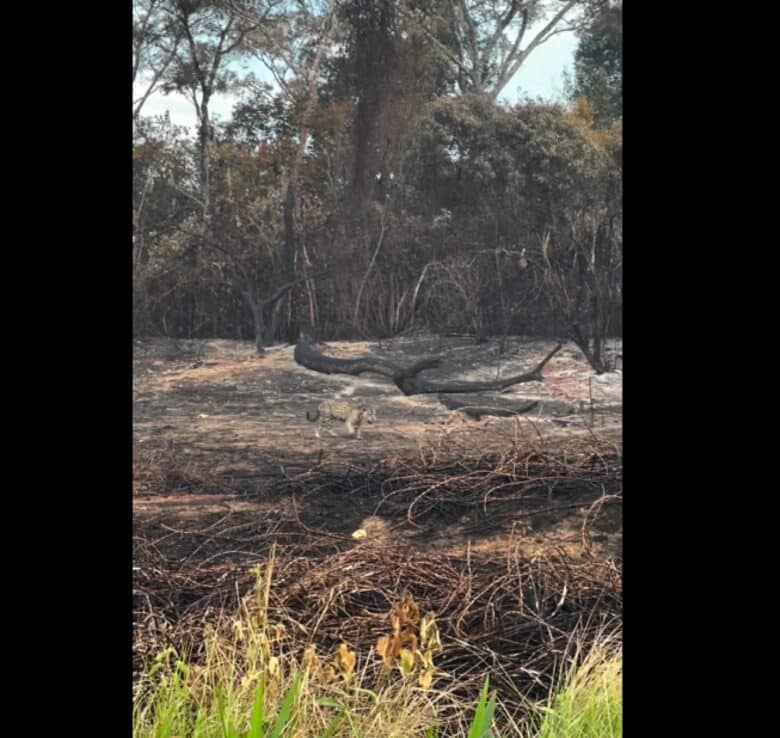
x=259 y=117
x=589 y=702
x=483 y=717
x=179 y=702
x=250 y=683
x=476 y=157
x=162 y=157
x=598 y=67
x=249 y=680
x=451 y=188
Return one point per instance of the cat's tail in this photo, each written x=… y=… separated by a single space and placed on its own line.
x=312 y=416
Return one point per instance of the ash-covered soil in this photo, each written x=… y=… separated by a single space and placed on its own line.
x=220 y=434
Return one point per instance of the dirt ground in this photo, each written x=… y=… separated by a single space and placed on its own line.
x=220 y=435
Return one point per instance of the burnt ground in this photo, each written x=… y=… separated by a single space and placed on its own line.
x=220 y=433
x=510 y=529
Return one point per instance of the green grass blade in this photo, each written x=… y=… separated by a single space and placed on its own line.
x=327 y=702
x=588 y=704
x=258 y=712
x=334 y=725
x=483 y=715
x=336 y=722
x=283 y=718
x=228 y=730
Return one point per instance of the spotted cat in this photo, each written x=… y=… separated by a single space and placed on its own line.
x=331 y=410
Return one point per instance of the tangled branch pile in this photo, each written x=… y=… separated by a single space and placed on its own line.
x=499 y=611
x=505 y=614
x=521 y=481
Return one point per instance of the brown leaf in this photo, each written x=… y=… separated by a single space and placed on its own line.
x=384 y=650
x=346 y=660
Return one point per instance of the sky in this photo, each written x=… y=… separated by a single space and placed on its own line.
x=541 y=75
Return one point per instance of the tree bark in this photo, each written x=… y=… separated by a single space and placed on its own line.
x=204 y=156
x=265 y=332
x=406 y=378
x=258 y=323
x=290 y=196
x=583 y=343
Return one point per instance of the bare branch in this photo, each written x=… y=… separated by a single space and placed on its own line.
x=539 y=39
x=440 y=47
x=515 y=46
x=287 y=286
x=501 y=26
x=371 y=263
x=476 y=64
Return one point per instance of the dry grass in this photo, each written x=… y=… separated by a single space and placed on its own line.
x=258 y=673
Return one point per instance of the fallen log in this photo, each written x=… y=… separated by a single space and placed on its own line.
x=500 y=408
x=406 y=378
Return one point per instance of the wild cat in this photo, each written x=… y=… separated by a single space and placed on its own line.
x=353 y=416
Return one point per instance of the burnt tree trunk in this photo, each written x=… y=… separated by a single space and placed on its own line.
x=583 y=343
x=204 y=157
x=593 y=277
x=258 y=322
x=289 y=250
x=371 y=25
x=265 y=332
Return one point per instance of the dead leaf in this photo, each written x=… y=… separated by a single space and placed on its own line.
x=346 y=660
x=384 y=650
x=426 y=678
x=273 y=666
x=429 y=632
x=406 y=661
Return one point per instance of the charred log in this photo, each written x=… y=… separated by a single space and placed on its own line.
x=407 y=379
x=500 y=407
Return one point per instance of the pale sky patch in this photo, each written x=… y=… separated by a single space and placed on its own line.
x=180 y=108
x=541 y=75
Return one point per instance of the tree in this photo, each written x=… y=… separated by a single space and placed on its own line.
x=534 y=194
x=259 y=116
x=155 y=44
x=585 y=275
x=482 y=40
x=598 y=66
x=292 y=44
x=162 y=156
x=212 y=35
x=422 y=206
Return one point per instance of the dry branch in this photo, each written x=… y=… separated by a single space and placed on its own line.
x=406 y=378
x=512 y=611
x=512 y=614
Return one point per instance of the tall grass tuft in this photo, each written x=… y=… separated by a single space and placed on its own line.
x=249 y=678
x=251 y=681
x=589 y=701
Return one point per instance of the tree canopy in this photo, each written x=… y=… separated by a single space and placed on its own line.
x=372 y=182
